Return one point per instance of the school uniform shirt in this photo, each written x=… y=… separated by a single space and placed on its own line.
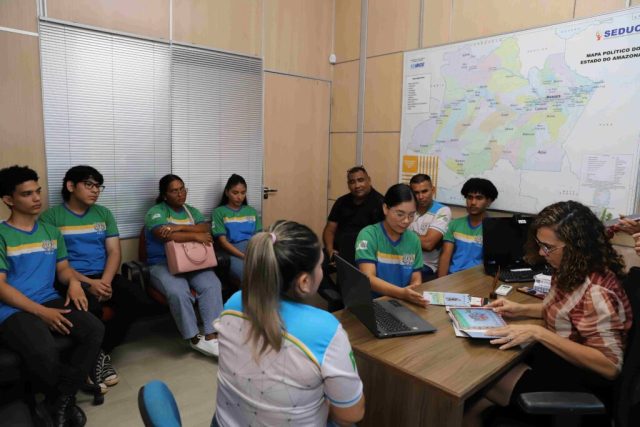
x=596 y=314
x=237 y=225
x=29 y=260
x=395 y=260
x=84 y=235
x=437 y=217
x=289 y=387
x=468 y=244
x=162 y=214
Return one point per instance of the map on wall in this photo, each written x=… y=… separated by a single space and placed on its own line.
x=546 y=114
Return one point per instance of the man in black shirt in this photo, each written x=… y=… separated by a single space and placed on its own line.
x=351 y=213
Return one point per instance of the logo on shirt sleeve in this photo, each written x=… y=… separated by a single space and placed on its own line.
x=49 y=246
x=100 y=227
x=353 y=360
x=156 y=216
x=362 y=245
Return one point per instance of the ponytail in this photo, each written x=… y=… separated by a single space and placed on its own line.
x=274 y=260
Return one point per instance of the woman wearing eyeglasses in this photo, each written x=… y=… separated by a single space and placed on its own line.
x=390 y=254
x=586 y=313
x=172 y=219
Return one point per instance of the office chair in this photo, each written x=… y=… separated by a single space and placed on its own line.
x=157 y=405
x=568 y=408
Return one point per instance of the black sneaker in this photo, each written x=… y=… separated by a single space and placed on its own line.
x=95 y=376
x=109 y=375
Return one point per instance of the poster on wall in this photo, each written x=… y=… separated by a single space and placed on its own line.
x=546 y=114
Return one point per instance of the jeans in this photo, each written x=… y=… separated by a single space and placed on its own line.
x=237 y=264
x=177 y=290
x=29 y=336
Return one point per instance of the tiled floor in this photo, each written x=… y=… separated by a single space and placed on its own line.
x=154 y=350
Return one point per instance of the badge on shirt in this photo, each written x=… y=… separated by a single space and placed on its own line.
x=408 y=259
x=49 y=245
x=100 y=227
x=362 y=245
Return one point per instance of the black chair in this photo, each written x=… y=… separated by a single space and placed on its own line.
x=569 y=408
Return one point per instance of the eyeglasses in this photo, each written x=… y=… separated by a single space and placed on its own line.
x=547 y=249
x=177 y=191
x=90 y=185
x=402 y=215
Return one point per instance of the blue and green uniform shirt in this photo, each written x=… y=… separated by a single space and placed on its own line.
x=468 y=244
x=395 y=260
x=29 y=260
x=237 y=225
x=84 y=235
x=162 y=214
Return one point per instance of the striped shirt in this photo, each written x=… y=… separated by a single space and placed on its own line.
x=596 y=314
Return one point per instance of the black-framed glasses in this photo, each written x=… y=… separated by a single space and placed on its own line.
x=547 y=249
x=90 y=185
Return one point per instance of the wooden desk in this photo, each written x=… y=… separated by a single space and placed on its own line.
x=424 y=380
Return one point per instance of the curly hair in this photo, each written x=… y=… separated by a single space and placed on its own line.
x=587 y=248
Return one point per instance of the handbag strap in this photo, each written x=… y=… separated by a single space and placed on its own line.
x=189 y=213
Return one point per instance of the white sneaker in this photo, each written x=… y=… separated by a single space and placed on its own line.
x=206 y=347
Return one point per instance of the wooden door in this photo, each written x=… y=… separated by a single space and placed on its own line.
x=296 y=149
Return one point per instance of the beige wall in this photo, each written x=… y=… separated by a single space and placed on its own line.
x=294 y=38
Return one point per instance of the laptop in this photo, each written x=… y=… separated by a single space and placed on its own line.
x=384 y=319
x=503 y=246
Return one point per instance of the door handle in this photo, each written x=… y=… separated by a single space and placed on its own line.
x=266 y=191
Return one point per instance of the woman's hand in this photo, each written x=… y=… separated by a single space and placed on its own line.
x=55 y=320
x=166 y=230
x=76 y=294
x=101 y=290
x=628 y=226
x=204 y=237
x=410 y=295
x=513 y=335
x=507 y=308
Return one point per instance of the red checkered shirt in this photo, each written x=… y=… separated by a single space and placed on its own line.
x=596 y=314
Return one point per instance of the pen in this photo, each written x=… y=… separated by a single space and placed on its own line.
x=493 y=295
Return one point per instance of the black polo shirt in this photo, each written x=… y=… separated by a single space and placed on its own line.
x=352 y=218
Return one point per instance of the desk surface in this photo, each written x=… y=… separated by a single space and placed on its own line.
x=459 y=367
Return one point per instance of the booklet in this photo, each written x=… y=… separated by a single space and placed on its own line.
x=475 y=321
x=453 y=299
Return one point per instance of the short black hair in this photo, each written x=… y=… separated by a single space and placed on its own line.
x=13 y=176
x=355 y=169
x=398 y=193
x=78 y=174
x=419 y=178
x=481 y=186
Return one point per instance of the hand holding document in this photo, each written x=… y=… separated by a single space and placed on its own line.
x=474 y=322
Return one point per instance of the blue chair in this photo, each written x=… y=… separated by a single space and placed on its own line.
x=157 y=405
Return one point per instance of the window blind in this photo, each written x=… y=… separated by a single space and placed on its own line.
x=216 y=112
x=106 y=104
x=138 y=109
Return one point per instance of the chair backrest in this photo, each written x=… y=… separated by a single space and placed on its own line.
x=142 y=246
x=628 y=391
x=157 y=405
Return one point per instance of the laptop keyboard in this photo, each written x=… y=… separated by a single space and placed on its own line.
x=517 y=276
x=386 y=322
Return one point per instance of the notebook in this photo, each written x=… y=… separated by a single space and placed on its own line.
x=385 y=319
x=475 y=321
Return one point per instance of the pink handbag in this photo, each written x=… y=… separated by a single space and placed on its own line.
x=189 y=256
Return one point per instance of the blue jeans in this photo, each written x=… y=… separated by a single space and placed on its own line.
x=237 y=264
x=177 y=290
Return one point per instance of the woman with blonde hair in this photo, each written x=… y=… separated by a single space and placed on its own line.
x=283 y=361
